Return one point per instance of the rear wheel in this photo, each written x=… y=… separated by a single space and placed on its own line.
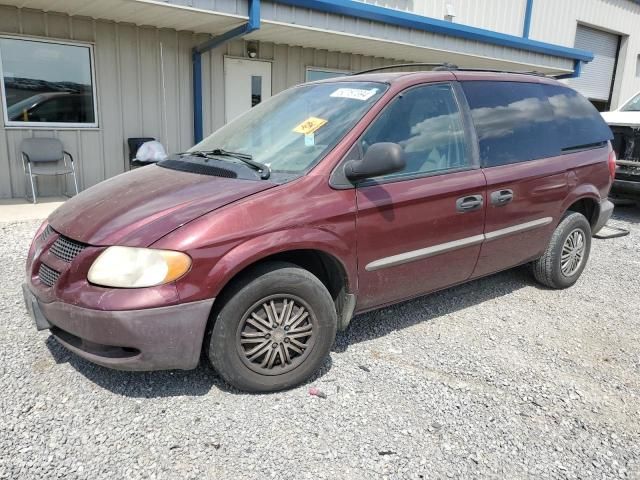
x=273 y=330
x=567 y=253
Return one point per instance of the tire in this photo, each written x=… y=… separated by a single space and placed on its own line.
x=258 y=354
x=548 y=269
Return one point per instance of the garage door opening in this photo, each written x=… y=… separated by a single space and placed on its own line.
x=597 y=77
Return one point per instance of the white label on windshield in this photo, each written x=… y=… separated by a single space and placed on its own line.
x=355 y=93
x=309 y=139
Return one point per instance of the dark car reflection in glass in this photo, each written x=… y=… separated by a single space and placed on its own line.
x=54 y=107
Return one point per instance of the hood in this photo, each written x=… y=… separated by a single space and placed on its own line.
x=622 y=118
x=139 y=207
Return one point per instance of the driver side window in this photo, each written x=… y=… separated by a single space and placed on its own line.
x=426 y=122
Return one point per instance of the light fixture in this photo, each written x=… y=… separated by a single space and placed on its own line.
x=252 y=49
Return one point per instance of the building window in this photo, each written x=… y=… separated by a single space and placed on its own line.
x=638 y=66
x=256 y=90
x=314 y=73
x=47 y=84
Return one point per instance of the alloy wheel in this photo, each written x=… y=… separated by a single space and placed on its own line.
x=572 y=252
x=276 y=334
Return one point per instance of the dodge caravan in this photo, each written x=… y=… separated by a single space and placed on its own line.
x=331 y=199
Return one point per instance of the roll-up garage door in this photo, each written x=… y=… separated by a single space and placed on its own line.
x=595 y=80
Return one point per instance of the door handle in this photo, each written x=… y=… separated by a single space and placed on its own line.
x=501 y=197
x=469 y=203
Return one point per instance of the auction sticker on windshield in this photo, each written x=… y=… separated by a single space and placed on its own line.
x=355 y=93
x=310 y=125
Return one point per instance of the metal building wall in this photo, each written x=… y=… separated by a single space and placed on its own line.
x=355 y=33
x=556 y=22
x=131 y=100
x=505 y=16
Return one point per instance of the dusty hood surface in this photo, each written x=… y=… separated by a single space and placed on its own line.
x=139 y=207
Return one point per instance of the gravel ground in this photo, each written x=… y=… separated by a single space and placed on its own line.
x=497 y=378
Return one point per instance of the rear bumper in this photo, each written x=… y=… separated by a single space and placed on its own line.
x=604 y=214
x=150 y=339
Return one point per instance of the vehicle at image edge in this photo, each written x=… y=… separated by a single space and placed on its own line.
x=330 y=199
x=625 y=125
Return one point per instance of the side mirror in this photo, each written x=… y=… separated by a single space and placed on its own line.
x=380 y=159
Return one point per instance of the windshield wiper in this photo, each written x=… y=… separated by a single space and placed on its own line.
x=262 y=169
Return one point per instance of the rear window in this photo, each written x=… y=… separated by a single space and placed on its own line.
x=517 y=121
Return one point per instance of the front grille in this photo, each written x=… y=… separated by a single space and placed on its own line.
x=48 y=275
x=46 y=233
x=66 y=249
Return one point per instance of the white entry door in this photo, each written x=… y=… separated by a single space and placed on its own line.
x=246 y=83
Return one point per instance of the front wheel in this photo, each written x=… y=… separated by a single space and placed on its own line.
x=274 y=329
x=567 y=253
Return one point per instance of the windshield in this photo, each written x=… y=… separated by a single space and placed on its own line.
x=295 y=129
x=632 y=105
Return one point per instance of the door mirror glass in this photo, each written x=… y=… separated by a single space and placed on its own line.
x=380 y=159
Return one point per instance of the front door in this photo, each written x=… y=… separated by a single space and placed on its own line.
x=246 y=83
x=420 y=229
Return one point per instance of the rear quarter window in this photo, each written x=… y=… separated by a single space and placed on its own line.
x=518 y=121
x=578 y=122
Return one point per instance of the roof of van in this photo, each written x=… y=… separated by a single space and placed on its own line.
x=392 y=77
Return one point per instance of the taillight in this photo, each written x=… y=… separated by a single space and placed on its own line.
x=612 y=164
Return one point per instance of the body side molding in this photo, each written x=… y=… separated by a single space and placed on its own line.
x=421 y=253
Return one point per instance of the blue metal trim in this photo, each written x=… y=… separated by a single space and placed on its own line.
x=254 y=15
x=389 y=16
x=527 y=19
x=223 y=38
x=577 y=70
x=252 y=24
x=197 y=96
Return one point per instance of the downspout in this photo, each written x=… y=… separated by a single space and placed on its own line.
x=577 y=69
x=527 y=19
x=252 y=24
x=526 y=28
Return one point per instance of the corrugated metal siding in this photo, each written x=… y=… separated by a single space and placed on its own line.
x=439 y=44
x=200 y=16
x=556 y=22
x=129 y=63
x=506 y=16
x=237 y=7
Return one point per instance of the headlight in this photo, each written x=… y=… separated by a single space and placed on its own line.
x=128 y=267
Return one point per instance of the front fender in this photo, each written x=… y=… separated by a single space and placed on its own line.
x=255 y=249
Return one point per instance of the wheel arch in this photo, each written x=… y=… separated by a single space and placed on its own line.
x=587 y=205
x=329 y=259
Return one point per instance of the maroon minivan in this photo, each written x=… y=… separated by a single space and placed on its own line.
x=328 y=200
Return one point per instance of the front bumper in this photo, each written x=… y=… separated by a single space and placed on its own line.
x=149 y=339
x=604 y=214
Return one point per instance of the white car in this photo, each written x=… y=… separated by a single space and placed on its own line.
x=625 y=125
